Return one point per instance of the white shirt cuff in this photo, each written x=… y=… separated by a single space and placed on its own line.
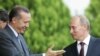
x=43 y=54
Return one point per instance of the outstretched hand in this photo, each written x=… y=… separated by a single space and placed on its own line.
x=51 y=52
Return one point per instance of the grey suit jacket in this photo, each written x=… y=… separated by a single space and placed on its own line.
x=9 y=45
x=93 y=48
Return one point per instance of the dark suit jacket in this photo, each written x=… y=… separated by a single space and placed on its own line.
x=9 y=45
x=93 y=48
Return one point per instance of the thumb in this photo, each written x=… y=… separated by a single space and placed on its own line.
x=51 y=47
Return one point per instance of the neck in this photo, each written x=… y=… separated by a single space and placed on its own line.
x=84 y=36
x=13 y=27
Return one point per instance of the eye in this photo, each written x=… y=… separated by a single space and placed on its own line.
x=73 y=27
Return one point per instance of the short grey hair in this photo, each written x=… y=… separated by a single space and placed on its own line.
x=85 y=21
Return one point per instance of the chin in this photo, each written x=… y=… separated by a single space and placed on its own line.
x=75 y=38
x=22 y=32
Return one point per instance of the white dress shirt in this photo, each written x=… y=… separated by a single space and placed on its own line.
x=86 y=41
x=16 y=34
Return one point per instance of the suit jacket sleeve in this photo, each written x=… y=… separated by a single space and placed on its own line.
x=32 y=54
x=6 y=46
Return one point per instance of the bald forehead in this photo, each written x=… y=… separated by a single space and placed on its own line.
x=80 y=20
x=75 y=19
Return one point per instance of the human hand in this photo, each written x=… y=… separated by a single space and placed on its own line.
x=51 y=52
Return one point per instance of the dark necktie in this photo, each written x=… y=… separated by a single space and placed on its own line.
x=82 y=49
x=22 y=44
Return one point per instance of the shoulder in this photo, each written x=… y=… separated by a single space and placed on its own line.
x=71 y=50
x=95 y=40
x=71 y=46
x=2 y=31
x=4 y=34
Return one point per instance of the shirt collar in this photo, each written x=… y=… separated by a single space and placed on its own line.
x=16 y=34
x=86 y=40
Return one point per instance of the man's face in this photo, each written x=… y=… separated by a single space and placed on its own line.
x=76 y=29
x=2 y=24
x=23 y=22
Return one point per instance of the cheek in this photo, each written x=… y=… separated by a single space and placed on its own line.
x=78 y=31
x=21 y=24
x=0 y=26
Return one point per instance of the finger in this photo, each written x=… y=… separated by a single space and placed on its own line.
x=60 y=51
x=51 y=47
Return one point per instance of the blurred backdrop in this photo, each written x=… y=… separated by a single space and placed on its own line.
x=50 y=22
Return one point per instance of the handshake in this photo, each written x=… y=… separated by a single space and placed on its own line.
x=50 y=52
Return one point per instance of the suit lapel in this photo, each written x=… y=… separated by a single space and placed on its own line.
x=91 y=44
x=75 y=51
x=24 y=45
x=13 y=38
x=17 y=45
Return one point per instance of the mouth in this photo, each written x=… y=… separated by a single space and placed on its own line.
x=23 y=29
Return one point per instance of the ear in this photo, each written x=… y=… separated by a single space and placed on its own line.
x=14 y=20
x=1 y=22
x=84 y=27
